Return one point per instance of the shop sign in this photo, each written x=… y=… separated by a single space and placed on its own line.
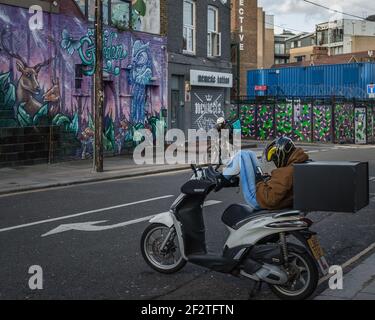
x=211 y=79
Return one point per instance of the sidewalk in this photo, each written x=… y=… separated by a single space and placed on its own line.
x=27 y=178
x=359 y=284
x=301 y=144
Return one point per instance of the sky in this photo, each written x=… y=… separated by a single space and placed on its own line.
x=303 y=16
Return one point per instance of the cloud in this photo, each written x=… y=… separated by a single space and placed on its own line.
x=304 y=16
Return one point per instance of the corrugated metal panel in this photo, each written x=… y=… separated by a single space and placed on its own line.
x=341 y=80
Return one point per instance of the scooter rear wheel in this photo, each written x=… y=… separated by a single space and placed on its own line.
x=305 y=281
x=168 y=262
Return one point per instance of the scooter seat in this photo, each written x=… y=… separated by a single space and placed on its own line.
x=236 y=214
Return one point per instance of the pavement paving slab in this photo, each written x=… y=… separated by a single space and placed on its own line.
x=41 y=176
x=359 y=284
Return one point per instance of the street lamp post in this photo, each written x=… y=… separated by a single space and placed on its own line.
x=99 y=92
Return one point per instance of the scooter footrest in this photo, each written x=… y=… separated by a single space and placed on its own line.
x=216 y=263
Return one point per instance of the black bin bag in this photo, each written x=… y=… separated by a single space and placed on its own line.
x=331 y=186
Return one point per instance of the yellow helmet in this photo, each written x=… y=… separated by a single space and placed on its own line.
x=279 y=151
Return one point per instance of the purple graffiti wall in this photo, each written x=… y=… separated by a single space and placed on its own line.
x=46 y=77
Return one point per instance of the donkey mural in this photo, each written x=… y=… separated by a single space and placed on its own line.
x=28 y=85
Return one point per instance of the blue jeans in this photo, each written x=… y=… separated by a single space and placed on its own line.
x=245 y=164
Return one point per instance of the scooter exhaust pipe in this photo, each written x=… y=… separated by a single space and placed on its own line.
x=266 y=272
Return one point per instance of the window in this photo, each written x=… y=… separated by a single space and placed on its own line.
x=279 y=61
x=337 y=50
x=322 y=37
x=279 y=48
x=337 y=35
x=115 y=12
x=214 y=36
x=82 y=5
x=121 y=13
x=91 y=10
x=189 y=27
x=299 y=44
x=300 y=58
x=78 y=76
x=292 y=45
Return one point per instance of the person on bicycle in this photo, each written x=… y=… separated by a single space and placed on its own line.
x=274 y=192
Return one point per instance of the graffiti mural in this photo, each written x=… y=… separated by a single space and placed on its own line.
x=307 y=122
x=322 y=123
x=360 y=124
x=207 y=107
x=370 y=124
x=85 y=46
x=344 y=123
x=46 y=78
x=284 y=119
x=302 y=122
x=140 y=75
x=7 y=101
x=265 y=122
x=247 y=119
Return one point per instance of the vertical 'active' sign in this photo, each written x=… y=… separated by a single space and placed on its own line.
x=241 y=17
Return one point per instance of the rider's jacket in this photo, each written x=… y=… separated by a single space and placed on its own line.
x=277 y=192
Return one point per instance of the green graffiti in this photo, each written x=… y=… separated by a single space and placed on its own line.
x=247 y=119
x=370 y=124
x=344 y=123
x=7 y=101
x=85 y=47
x=360 y=125
x=8 y=92
x=70 y=125
x=284 y=115
x=322 y=123
x=24 y=119
x=302 y=122
x=265 y=123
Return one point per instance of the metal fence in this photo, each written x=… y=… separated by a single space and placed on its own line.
x=324 y=120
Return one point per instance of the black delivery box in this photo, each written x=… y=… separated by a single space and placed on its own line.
x=331 y=186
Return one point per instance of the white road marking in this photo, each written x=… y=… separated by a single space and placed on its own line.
x=350 y=262
x=93 y=225
x=84 y=213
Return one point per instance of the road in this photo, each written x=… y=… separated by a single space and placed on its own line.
x=102 y=260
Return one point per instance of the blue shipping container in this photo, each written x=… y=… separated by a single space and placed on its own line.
x=339 y=80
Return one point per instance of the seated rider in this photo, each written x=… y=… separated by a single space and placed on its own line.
x=222 y=124
x=260 y=191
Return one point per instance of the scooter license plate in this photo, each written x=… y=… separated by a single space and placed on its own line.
x=318 y=253
x=315 y=247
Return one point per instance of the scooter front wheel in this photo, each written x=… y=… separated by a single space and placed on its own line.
x=166 y=260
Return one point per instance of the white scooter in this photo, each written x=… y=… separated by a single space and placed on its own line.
x=257 y=247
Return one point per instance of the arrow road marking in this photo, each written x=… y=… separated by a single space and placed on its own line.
x=83 y=213
x=93 y=225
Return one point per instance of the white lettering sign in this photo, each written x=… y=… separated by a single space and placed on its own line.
x=211 y=79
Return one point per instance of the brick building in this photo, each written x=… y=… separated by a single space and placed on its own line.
x=199 y=61
x=252 y=41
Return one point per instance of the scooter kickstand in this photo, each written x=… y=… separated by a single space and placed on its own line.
x=257 y=287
